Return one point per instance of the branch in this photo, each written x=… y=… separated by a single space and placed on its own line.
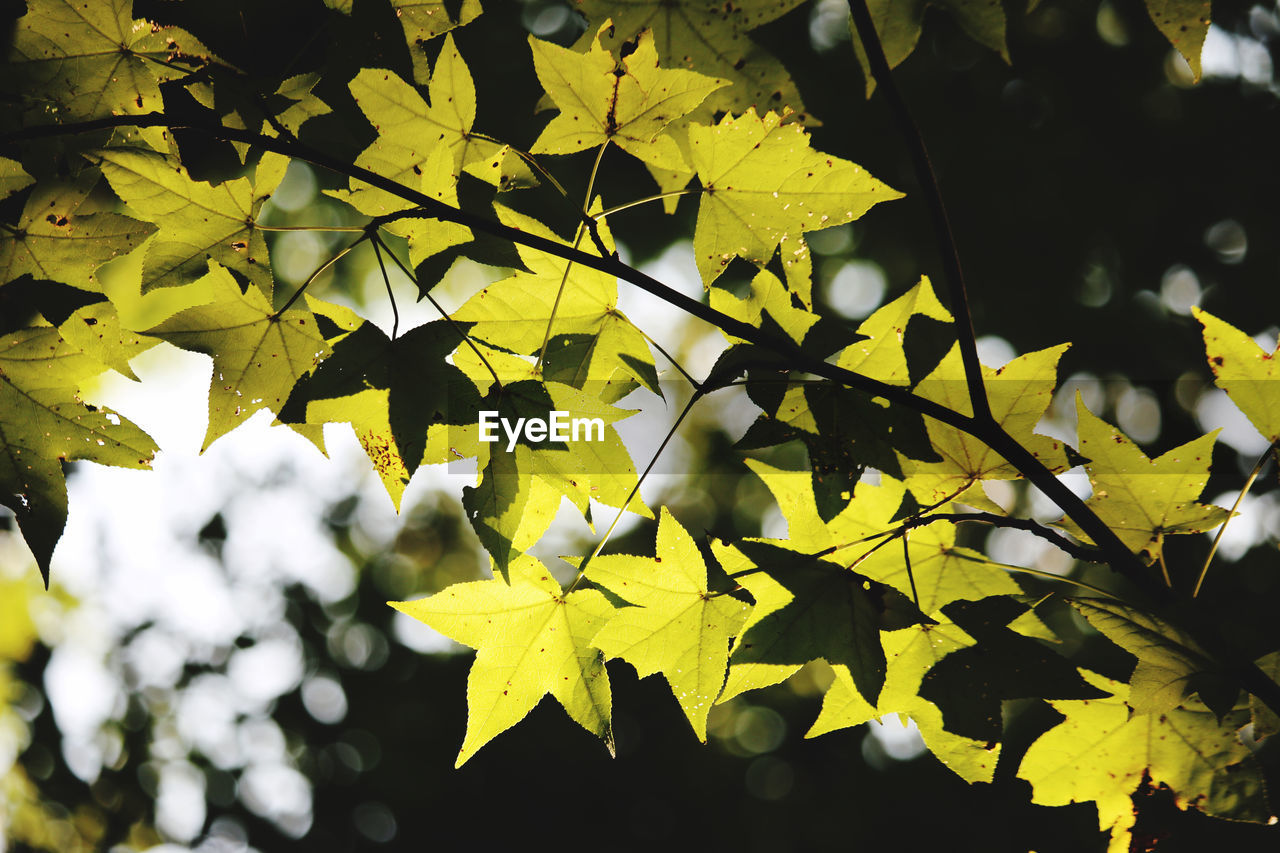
x=1079 y=552
x=937 y=210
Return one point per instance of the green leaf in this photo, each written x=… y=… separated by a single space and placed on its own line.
x=1245 y=371
x=531 y=639
x=805 y=609
x=1265 y=721
x=198 y=222
x=677 y=626
x=882 y=356
x=629 y=103
x=943 y=571
x=72 y=61
x=409 y=129
x=55 y=241
x=303 y=103
x=1185 y=23
x=711 y=38
x=423 y=20
x=1105 y=753
x=1018 y=393
x=392 y=392
x=762 y=183
x=592 y=342
x=765 y=295
x=95 y=329
x=1168 y=659
x=43 y=423
x=257 y=356
x=911 y=653
x=13 y=178
x=1142 y=499
x=900 y=22
x=517 y=495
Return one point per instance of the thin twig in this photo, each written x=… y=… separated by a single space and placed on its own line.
x=1079 y=552
x=657 y=197
x=577 y=239
x=386 y=279
x=928 y=181
x=582 y=569
x=911 y=576
x=439 y=308
x=297 y=293
x=1253 y=475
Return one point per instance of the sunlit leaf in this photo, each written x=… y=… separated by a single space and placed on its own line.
x=1105 y=753
x=43 y=422
x=677 y=626
x=531 y=639
x=1245 y=371
x=762 y=183
x=257 y=355
x=629 y=103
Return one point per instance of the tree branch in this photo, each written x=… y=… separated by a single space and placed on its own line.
x=928 y=181
x=1079 y=552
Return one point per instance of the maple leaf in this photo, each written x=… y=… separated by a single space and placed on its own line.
x=629 y=103
x=710 y=37
x=96 y=330
x=943 y=571
x=881 y=355
x=1245 y=371
x=1170 y=663
x=1018 y=394
x=392 y=392
x=531 y=639
x=55 y=241
x=591 y=342
x=1144 y=499
x=677 y=626
x=423 y=20
x=78 y=60
x=766 y=295
x=43 y=423
x=1104 y=752
x=762 y=183
x=1185 y=23
x=197 y=221
x=805 y=609
x=258 y=356
x=13 y=178
x=409 y=129
x=910 y=654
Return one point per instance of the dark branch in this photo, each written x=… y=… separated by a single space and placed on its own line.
x=937 y=210
x=1079 y=552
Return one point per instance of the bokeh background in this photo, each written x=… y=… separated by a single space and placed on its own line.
x=215 y=667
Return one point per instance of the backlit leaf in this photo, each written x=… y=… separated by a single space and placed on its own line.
x=629 y=103
x=762 y=183
x=1185 y=23
x=1142 y=499
x=677 y=626
x=1246 y=371
x=1105 y=753
x=198 y=222
x=711 y=38
x=531 y=639
x=257 y=356
x=43 y=423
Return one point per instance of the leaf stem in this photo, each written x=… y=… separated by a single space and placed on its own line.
x=658 y=197
x=297 y=293
x=439 y=308
x=577 y=239
x=582 y=569
x=344 y=229
x=1253 y=475
x=395 y=312
x=906 y=556
x=928 y=181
